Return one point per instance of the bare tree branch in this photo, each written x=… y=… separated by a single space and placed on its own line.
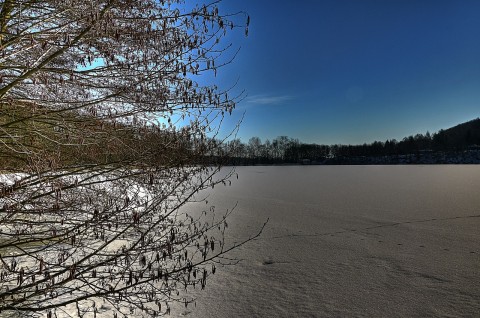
x=104 y=137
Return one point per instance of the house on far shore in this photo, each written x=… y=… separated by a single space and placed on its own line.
x=305 y=161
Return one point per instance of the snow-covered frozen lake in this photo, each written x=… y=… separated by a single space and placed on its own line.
x=350 y=241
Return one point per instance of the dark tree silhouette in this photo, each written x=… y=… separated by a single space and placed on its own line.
x=453 y=141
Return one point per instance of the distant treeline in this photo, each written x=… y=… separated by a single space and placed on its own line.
x=283 y=149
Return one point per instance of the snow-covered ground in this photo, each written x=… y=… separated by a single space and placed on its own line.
x=350 y=241
x=346 y=241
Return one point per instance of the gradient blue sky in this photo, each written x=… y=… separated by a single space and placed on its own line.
x=355 y=71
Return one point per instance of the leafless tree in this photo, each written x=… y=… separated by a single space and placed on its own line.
x=103 y=133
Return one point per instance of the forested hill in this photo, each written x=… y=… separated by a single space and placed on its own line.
x=460 y=136
x=459 y=144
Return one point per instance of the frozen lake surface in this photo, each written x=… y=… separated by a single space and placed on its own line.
x=350 y=241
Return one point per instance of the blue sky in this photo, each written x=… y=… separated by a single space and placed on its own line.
x=355 y=71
